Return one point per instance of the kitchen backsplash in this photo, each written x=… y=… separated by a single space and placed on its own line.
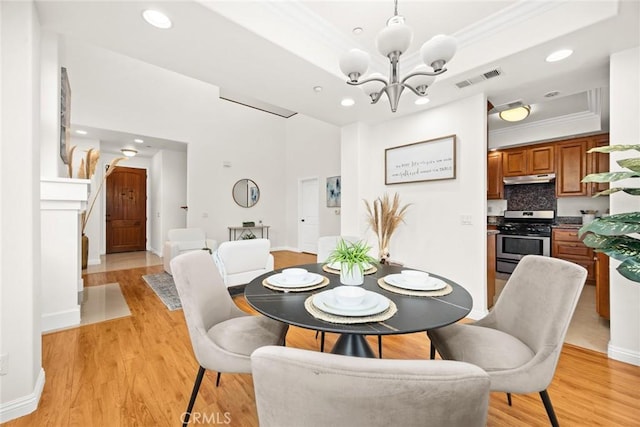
x=542 y=196
x=530 y=197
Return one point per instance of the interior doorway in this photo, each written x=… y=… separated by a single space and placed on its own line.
x=126 y=210
x=308 y=214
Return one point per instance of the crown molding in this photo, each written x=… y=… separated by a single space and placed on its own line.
x=553 y=121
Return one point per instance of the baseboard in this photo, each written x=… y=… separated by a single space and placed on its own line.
x=23 y=405
x=284 y=248
x=61 y=319
x=94 y=261
x=623 y=355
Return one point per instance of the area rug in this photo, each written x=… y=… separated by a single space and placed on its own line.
x=101 y=303
x=162 y=284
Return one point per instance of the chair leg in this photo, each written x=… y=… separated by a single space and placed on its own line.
x=549 y=407
x=322 y=342
x=380 y=346
x=218 y=379
x=194 y=393
x=509 y=398
x=432 y=352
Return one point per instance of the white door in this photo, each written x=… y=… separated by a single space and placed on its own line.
x=308 y=212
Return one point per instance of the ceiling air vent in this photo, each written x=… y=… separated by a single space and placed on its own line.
x=477 y=79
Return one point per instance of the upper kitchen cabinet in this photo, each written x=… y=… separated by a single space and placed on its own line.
x=495 y=186
x=571 y=165
x=598 y=162
x=533 y=160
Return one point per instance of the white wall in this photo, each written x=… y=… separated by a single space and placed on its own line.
x=112 y=91
x=433 y=237
x=312 y=150
x=20 y=210
x=173 y=193
x=624 y=129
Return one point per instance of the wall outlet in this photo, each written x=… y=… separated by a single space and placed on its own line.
x=205 y=215
x=465 y=219
x=4 y=363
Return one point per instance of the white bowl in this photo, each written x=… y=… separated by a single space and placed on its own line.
x=413 y=276
x=349 y=295
x=293 y=275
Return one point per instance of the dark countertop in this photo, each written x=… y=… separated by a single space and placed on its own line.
x=567 y=226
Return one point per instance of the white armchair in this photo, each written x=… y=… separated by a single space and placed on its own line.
x=241 y=261
x=181 y=240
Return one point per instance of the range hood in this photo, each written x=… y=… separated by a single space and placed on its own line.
x=530 y=179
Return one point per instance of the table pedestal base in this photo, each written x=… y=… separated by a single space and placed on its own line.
x=352 y=345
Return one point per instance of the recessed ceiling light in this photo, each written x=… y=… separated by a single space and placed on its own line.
x=357 y=30
x=559 y=55
x=347 y=102
x=421 y=101
x=551 y=94
x=157 y=19
x=138 y=140
x=81 y=132
x=317 y=88
x=515 y=114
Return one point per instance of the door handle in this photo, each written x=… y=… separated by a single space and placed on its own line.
x=302 y=220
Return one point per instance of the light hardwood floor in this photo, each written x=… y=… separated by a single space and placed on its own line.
x=139 y=371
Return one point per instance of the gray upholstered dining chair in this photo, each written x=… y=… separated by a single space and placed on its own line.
x=519 y=342
x=296 y=387
x=222 y=336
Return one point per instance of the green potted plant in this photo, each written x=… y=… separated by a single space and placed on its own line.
x=354 y=259
x=611 y=235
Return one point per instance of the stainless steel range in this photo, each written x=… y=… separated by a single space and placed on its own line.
x=522 y=233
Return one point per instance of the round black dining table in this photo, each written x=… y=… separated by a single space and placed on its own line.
x=415 y=313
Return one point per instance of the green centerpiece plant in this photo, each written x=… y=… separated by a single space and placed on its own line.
x=354 y=259
x=613 y=235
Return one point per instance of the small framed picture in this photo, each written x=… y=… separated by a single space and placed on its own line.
x=333 y=192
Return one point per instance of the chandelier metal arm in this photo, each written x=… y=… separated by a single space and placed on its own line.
x=414 y=90
x=423 y=73
x=372 y=79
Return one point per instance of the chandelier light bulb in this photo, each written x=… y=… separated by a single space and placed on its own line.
x=396 y=37
x=354 y=63
x=438 y=51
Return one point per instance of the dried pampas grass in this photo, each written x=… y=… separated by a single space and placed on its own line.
x=384 y=217
x=110 y=168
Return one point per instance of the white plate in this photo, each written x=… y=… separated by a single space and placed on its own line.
x=336 y=266
x=326 y=302
x=432 y=284
x=281 y=281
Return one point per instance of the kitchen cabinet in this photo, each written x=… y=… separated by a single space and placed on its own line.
x=534 y=160
x=566 y=245
x=602 y=284
x=573 y=163
x=491 y=268
x=571 y=167
x=495 y=186
x=598 y=163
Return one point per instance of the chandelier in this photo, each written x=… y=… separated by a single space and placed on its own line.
x=391 y=42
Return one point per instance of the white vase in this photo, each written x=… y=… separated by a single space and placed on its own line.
x=353 y=276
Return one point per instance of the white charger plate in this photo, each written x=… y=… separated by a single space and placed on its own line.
x=336 y=266
x=281 y=281
x=373 y=303
x=432 y=284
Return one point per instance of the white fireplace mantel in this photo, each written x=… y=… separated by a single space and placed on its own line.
x=61 y=202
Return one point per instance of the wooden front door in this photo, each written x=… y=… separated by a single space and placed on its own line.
x=126 y=210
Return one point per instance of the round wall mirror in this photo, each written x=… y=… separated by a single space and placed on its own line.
x=246 y=193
